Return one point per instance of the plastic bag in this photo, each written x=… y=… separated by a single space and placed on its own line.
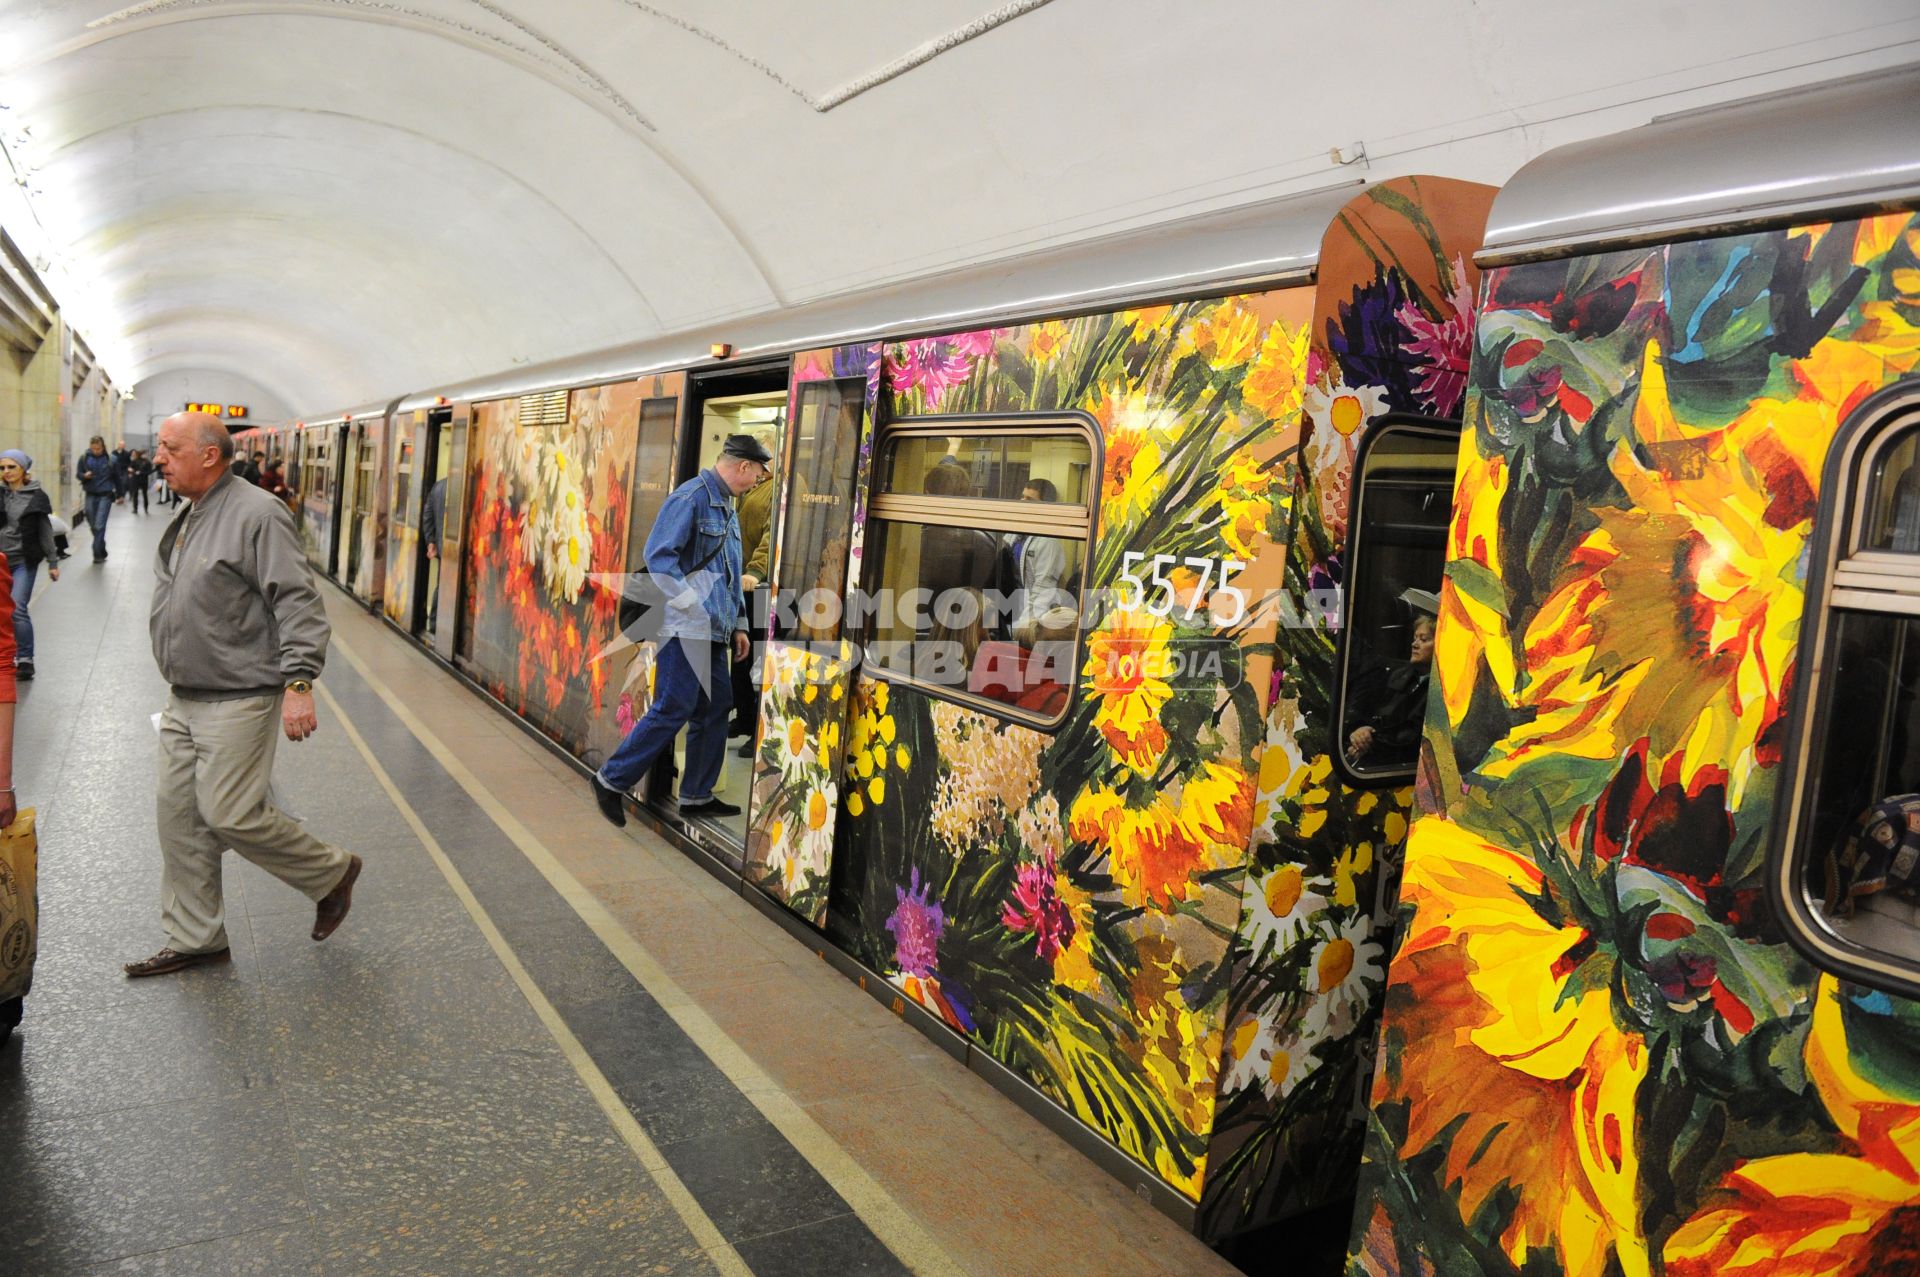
x=19 y=906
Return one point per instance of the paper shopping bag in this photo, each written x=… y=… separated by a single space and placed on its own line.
x=19 y=906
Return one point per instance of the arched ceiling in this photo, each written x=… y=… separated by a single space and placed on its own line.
x=352 y=199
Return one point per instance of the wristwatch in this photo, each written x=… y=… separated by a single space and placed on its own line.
x=302 y=686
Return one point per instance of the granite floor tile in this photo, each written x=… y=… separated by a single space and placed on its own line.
x=618 y=1227
x=443 y=1129
x=673 y=1090
x=382 y=931
x=83 y=1059
x=270 y=1252
x=360 y=1020
x=837 y=1247
x=85 y=1189
x=752 y=1182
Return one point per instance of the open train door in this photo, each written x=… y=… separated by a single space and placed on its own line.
x=444 y=633
x=810 y=658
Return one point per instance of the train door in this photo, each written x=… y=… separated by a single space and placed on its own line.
x=336 y=494
x=751 y=401
x=357 y=509
x=807 y=663
x=406 y=474
x=436 y=443
x=455 y=434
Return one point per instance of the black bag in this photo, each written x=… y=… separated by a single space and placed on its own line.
x=640 y=593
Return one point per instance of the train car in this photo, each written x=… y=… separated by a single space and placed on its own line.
x=1653 y=1005
x=1140 y=887
x=359 y=553
x=317 y=490
x=420 y=452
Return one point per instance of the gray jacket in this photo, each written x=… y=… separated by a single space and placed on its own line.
x=234 y=609
x=26 y=526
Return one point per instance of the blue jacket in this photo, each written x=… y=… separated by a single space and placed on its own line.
x=99 y=476
x=697 y=518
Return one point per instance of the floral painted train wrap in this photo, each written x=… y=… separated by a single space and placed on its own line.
x=1076 y=902
x=1599 y=1056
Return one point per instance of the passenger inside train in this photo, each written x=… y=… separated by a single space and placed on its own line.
x=1397 y=561
x=977 y=593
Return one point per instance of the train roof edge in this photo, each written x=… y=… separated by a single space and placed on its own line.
x=1270 y=242
x=1844 y=147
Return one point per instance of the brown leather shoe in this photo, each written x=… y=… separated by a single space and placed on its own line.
x=168 y=961
x=333 y=907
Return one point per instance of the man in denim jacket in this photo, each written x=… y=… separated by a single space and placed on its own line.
x=693 y=553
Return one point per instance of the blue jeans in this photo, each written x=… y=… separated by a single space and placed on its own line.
x=99 y=506
x=23 y=574
x=679 y=700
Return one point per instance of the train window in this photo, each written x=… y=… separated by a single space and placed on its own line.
x=1848 y=881
x=1396 y=557
x=403 y=484
x=977 y=546
x=813 y=541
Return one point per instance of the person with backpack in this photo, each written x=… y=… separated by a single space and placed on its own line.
x=26 y=541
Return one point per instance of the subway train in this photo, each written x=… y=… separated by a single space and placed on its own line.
x=1435 y=769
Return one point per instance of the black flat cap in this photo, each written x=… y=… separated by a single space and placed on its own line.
x=747 y=448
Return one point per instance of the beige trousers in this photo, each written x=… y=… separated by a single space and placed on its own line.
x=216 y=760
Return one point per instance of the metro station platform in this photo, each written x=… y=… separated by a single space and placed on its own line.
x=537 y=1045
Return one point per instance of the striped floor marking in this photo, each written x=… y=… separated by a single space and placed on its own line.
x=887 y=1220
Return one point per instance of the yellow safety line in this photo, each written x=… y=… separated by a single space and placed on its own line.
x=704 y=1231
x=887 y=1219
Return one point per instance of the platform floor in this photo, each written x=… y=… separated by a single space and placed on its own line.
x=538 y=1045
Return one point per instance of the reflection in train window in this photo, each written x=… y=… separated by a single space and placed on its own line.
x=978 y=543
x=1396 y=557
x=1856 y=820
x=813 y=544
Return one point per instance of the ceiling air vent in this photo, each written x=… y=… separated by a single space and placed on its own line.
x=549 y=409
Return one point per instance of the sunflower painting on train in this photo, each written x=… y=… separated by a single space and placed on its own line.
x=548 y=510
x=1599 y=1056
x=1065 y=897
x=1392 y=333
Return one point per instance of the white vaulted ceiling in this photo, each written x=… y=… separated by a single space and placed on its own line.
x=345 y=200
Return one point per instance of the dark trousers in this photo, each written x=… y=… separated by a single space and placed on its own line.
x=99 y=506
x=680 y=701
x=137 y=498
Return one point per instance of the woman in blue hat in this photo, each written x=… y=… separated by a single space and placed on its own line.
x=26 y=539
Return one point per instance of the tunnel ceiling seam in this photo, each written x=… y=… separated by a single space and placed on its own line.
x=918 y=56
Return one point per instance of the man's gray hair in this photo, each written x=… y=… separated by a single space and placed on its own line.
x=212 y=433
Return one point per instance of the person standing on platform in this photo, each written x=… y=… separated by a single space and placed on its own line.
x=271 y=480
x=123 y=455
x=433 y=517
x=693 y=554
x=26 y=539
x=239 y=634
x=139 y=479
x=756 y=543
x=9 y=805
x=100 y=479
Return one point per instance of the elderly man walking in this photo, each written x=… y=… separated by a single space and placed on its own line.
x=694 y=553
x=239 y=634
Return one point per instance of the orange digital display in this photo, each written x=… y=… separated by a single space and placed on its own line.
x=219 y=410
